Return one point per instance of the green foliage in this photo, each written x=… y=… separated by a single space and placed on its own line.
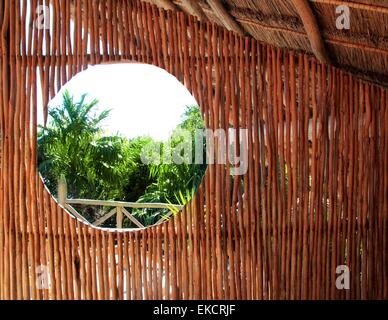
x=172 y=178
x=139 y=176
x=97 y=166
x=72 y=144
x=174 y=183
x=181 y=199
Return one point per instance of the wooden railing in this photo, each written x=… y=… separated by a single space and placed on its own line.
x=119 y=208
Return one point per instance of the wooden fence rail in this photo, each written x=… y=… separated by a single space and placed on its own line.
x=119 y=208
x=279 y=231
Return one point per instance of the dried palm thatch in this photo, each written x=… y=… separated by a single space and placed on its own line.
x=363 y=49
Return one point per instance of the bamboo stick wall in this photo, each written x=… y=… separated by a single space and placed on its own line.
x=277 y=232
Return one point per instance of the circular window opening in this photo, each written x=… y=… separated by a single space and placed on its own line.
x=122 y=146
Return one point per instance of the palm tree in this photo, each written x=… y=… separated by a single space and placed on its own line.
x=72 y=144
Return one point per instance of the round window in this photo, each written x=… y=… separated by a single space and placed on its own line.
x=122 y=146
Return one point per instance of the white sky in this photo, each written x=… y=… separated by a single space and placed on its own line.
x=145 y=100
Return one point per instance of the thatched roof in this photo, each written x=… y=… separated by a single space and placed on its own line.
x=362 y=50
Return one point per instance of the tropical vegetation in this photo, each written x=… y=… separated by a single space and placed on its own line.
x=110 y=167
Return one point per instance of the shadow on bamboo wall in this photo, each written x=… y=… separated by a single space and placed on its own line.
x=314 y=197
